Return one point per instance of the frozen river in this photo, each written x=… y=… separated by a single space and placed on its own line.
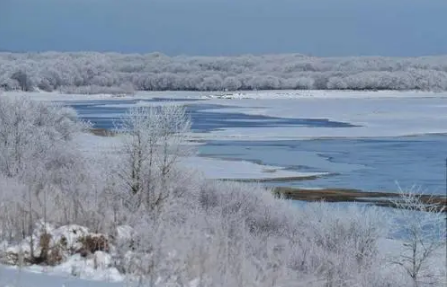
x=367 y=164
x=374 y=163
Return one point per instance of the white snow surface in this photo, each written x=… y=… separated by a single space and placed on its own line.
x=212 y=168
x=235 y=169
x=385 y=114
x=55 y=96
x=33 y=277
x=78 y=272
x=295 y=94
x=97 y=267
x=77 y=267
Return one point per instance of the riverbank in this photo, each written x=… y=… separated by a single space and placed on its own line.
x=353 y=195
x=250 y=171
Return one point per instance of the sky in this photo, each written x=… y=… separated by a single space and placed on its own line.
x=227 y=27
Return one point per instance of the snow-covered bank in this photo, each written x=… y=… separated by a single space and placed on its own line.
x=212 y=168
x=253 y=95
x=321 y=94
x=56 y=96
x=242 y=170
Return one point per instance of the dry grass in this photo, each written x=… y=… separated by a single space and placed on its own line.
x=91 y=244
x=102 y=132
x=351 y=195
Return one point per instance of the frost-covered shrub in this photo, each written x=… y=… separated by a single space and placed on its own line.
x=253 y=203
x=343 y=240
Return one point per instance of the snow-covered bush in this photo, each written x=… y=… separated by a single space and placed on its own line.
x=341 y=242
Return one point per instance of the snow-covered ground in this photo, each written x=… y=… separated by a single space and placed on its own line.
x=30 y=277
x=294 y=94
x=62 y=276
x=56 y=96
x=258 y=95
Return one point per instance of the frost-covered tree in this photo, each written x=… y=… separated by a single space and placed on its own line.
x=153 y=141
x=337 y=83
x=38 y=157
x=23 y=80
x=232 y=84
x=423 y=229
x=69 y=71
x=30 y=130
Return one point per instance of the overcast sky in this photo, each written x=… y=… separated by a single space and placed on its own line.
x=227 y=27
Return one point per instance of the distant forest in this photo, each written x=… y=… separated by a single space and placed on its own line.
x=91 y=72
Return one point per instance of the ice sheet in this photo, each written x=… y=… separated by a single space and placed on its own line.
x=244 y=170
x=376 y=117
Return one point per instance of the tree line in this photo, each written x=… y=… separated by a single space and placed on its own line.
x=92 y=72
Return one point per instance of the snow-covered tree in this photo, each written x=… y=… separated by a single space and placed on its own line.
x=51 y=71
x=153 y=141
x=37 y=155
x=422 y=225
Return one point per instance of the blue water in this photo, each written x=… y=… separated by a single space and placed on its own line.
x=102 y=115
x=367 y=164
